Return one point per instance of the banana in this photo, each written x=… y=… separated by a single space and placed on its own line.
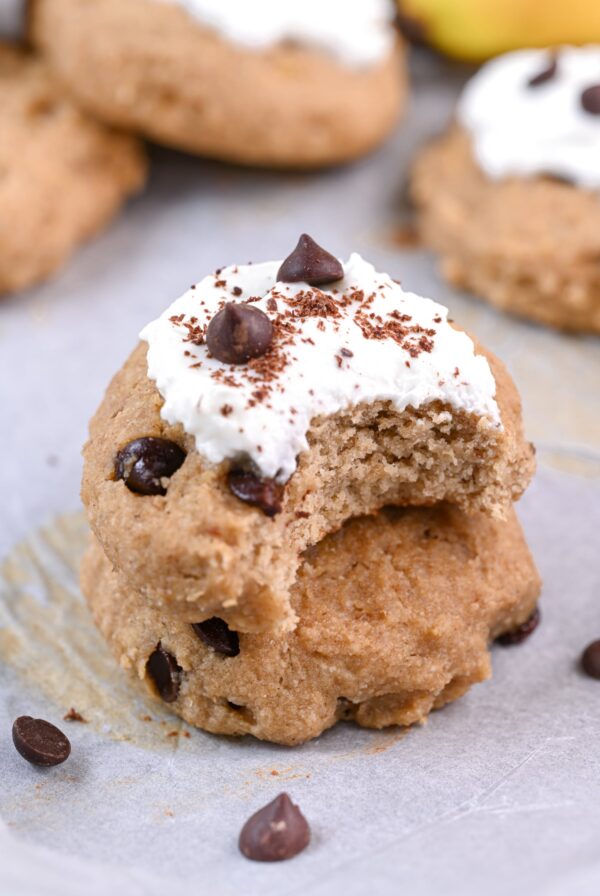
x=474 y=30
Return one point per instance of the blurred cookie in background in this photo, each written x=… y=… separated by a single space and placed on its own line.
x=509 y=197
x=296 y=85
x=62 y=175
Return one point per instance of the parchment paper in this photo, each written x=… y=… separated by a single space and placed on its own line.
x=499 y=793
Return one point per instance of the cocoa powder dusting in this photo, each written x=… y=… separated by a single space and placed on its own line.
x=288 y=314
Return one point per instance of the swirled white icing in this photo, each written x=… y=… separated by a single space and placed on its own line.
x=522 y=130
x=361 y=339
x=358 y=33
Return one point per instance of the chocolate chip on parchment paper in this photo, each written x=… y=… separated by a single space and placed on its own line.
x=276 y=832
x=590 y=660
x=146 y=463
x=39 y=742
x=310 y=263
x=216 y=634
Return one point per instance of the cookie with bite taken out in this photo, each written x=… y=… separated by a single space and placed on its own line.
x=270 y=404
x=395 y=614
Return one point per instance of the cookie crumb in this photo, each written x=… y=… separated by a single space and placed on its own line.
x=73 y=716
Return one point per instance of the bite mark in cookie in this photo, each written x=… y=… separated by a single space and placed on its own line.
x=365 y=396
x=284 y=369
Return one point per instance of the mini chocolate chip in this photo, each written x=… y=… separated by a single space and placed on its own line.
x=545 y=75
x=164 y=671
x=239 y=332
x=264 y=493
x=590 y=99
x=520 y=634
x=39 y=742
x=311 y=264
x=278 y=831
x=215 y=633
x=590 y=660
x=145 y=463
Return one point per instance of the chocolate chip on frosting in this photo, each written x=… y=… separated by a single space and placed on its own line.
x=163 y=669
x=309 y=263
x=216 y=634
x=250 y=488
x=238 y=333
x=145 y=464
x=522 y=632
x=276 y=832
x=545 y=75
x=590 y=99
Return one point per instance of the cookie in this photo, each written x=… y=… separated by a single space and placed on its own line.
x=509 y=197
x=62 y=175
x=395 y=614
x=204 y=480
x=262 y=83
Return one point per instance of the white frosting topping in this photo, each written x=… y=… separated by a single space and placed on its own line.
x=357 y=33
x=361 y=339
x=522 y=130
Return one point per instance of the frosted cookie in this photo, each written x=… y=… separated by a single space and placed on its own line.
x=272 y=402
x=395 y=614
x=261 y=83
x=62 y=175
x=509 y=197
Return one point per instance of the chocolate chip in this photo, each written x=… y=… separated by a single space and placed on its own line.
x=264 y=493
x=239 y=332
x=520 y=634
x=590 y=99
x=311 y=264
x=39 y=742
x=278 y=831
x=590 y=660
x=545 y=75
x=215 y=633
x=164 y=671
x=146 y=463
